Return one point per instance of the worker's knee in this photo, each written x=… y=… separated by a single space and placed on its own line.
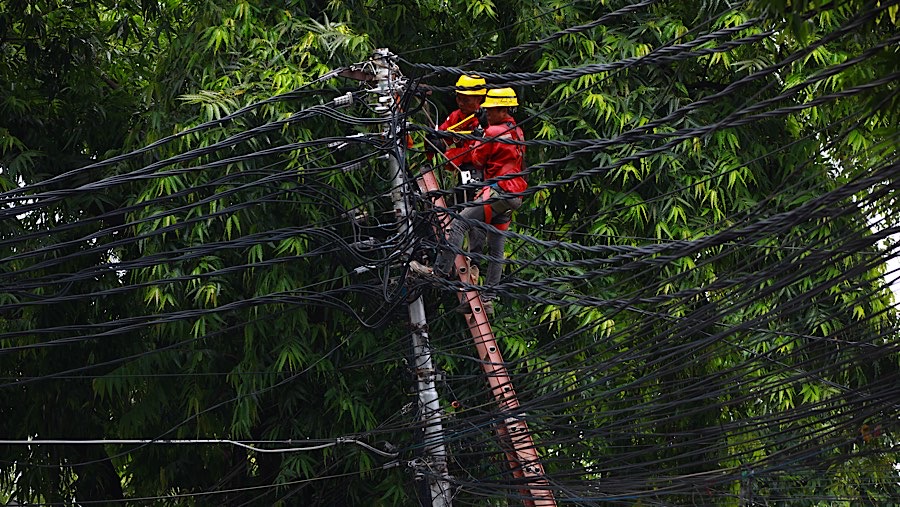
x=502 y=210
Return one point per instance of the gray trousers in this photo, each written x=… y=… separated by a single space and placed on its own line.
x=501 y=212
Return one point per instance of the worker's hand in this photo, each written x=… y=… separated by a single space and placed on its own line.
x=481 y=114
x=435 y=142
x=478 y=131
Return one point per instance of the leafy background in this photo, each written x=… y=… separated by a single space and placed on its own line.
x=696 y=310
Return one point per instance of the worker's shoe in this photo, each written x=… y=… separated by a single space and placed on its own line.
x=466 y=308
x=474 y=273
x=420 y=269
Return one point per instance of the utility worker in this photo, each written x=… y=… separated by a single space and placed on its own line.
x=463 y=120
x=495 y=160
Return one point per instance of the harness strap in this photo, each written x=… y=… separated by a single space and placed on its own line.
x=489 y=211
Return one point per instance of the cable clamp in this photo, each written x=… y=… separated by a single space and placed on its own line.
x=351 y=167
x=362 y=269
x=343 y=143
x=390 y=464
x=344 y=100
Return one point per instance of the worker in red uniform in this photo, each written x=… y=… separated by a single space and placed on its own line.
x=502 y=166
x=463 y=120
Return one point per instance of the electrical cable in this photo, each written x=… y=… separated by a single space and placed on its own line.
x=659 y=351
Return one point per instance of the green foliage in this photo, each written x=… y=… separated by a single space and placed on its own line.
x=250 y=357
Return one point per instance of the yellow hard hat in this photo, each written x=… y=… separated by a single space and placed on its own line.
x=500 y=97
x=470 y=80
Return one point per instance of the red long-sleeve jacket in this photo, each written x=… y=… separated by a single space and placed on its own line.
x=460 y=150
x=501 y=159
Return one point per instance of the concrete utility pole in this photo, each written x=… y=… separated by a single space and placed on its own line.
x=389 y=85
